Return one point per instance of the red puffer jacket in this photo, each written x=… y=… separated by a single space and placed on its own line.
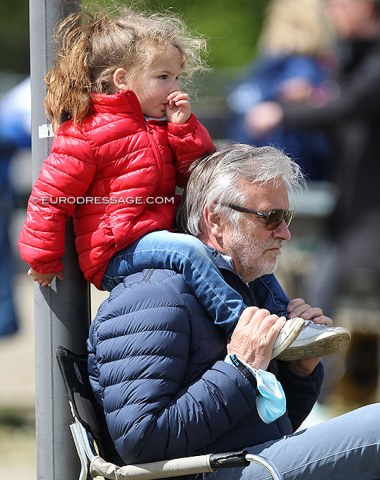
x=116 y=174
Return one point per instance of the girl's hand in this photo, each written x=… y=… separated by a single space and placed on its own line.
x=44 y=279
x=178 y=108
x=299 y=308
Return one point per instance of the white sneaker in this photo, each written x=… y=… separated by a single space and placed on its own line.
x=288 y=334
x=316 y=340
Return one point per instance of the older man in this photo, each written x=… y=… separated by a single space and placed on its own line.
x=161 y=371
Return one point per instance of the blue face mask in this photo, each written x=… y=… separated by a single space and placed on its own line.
x=270 y=400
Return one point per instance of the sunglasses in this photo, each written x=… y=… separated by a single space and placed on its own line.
x=272 y=219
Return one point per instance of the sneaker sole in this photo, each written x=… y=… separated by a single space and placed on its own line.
x=319 y=348
x=299 y=326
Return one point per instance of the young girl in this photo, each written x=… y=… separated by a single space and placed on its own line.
x=124 y=138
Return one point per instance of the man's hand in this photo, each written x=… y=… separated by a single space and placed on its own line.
x=44 y=279
x=254 y=336
x=178 y=108
x=304 y=367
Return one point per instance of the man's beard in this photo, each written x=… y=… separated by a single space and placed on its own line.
x=250 y=255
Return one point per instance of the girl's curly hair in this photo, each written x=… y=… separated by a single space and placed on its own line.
x=90 y=47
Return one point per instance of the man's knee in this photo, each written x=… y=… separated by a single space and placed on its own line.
x=367 y=420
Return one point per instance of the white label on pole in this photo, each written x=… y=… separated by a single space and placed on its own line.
x=45 y=131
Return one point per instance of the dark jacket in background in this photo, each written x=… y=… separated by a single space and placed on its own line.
x=352 y=117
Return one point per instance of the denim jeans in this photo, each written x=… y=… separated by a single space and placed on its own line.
x=269 y=294
x=190 y=257
x=344 y=448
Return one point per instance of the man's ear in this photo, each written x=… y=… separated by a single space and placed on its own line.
x=120 y=79
x=213 y=223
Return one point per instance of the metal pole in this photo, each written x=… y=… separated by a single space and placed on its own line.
x=61 y=311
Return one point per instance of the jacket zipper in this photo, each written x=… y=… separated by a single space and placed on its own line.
x=156 y=152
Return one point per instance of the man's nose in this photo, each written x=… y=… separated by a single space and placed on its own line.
x=282 y=231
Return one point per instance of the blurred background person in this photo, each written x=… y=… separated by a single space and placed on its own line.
x=292 y=66
x=349 y=261
x=15 y=133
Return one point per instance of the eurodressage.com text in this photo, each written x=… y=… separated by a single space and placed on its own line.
x=104 y=200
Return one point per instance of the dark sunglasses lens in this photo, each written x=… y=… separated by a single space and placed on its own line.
x=275 y=217
x=288 y=217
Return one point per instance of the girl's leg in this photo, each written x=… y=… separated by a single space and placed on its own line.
x=270 y=295
x=188 y=256
x=346 y=447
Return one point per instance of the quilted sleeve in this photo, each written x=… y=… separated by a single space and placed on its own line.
x=65 y=174
x=189 y=142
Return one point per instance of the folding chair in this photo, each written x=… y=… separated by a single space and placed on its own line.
x=88 y=430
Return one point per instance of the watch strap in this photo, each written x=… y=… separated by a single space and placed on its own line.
x=244 y=370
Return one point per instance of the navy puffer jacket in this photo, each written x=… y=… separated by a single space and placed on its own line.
x=156 y=367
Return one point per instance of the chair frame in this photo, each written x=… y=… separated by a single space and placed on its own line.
x=88 y=443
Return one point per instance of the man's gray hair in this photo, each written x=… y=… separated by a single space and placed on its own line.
x=215 y=180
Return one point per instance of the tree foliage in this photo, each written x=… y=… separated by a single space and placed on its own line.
x=231 y=28
x=14 y=36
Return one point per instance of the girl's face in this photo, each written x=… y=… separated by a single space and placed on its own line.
x=157 y=81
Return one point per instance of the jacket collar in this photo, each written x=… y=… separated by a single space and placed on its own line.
x=221 y=261
x=124 y=101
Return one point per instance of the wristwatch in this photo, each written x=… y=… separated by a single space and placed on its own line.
x=244 y=370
